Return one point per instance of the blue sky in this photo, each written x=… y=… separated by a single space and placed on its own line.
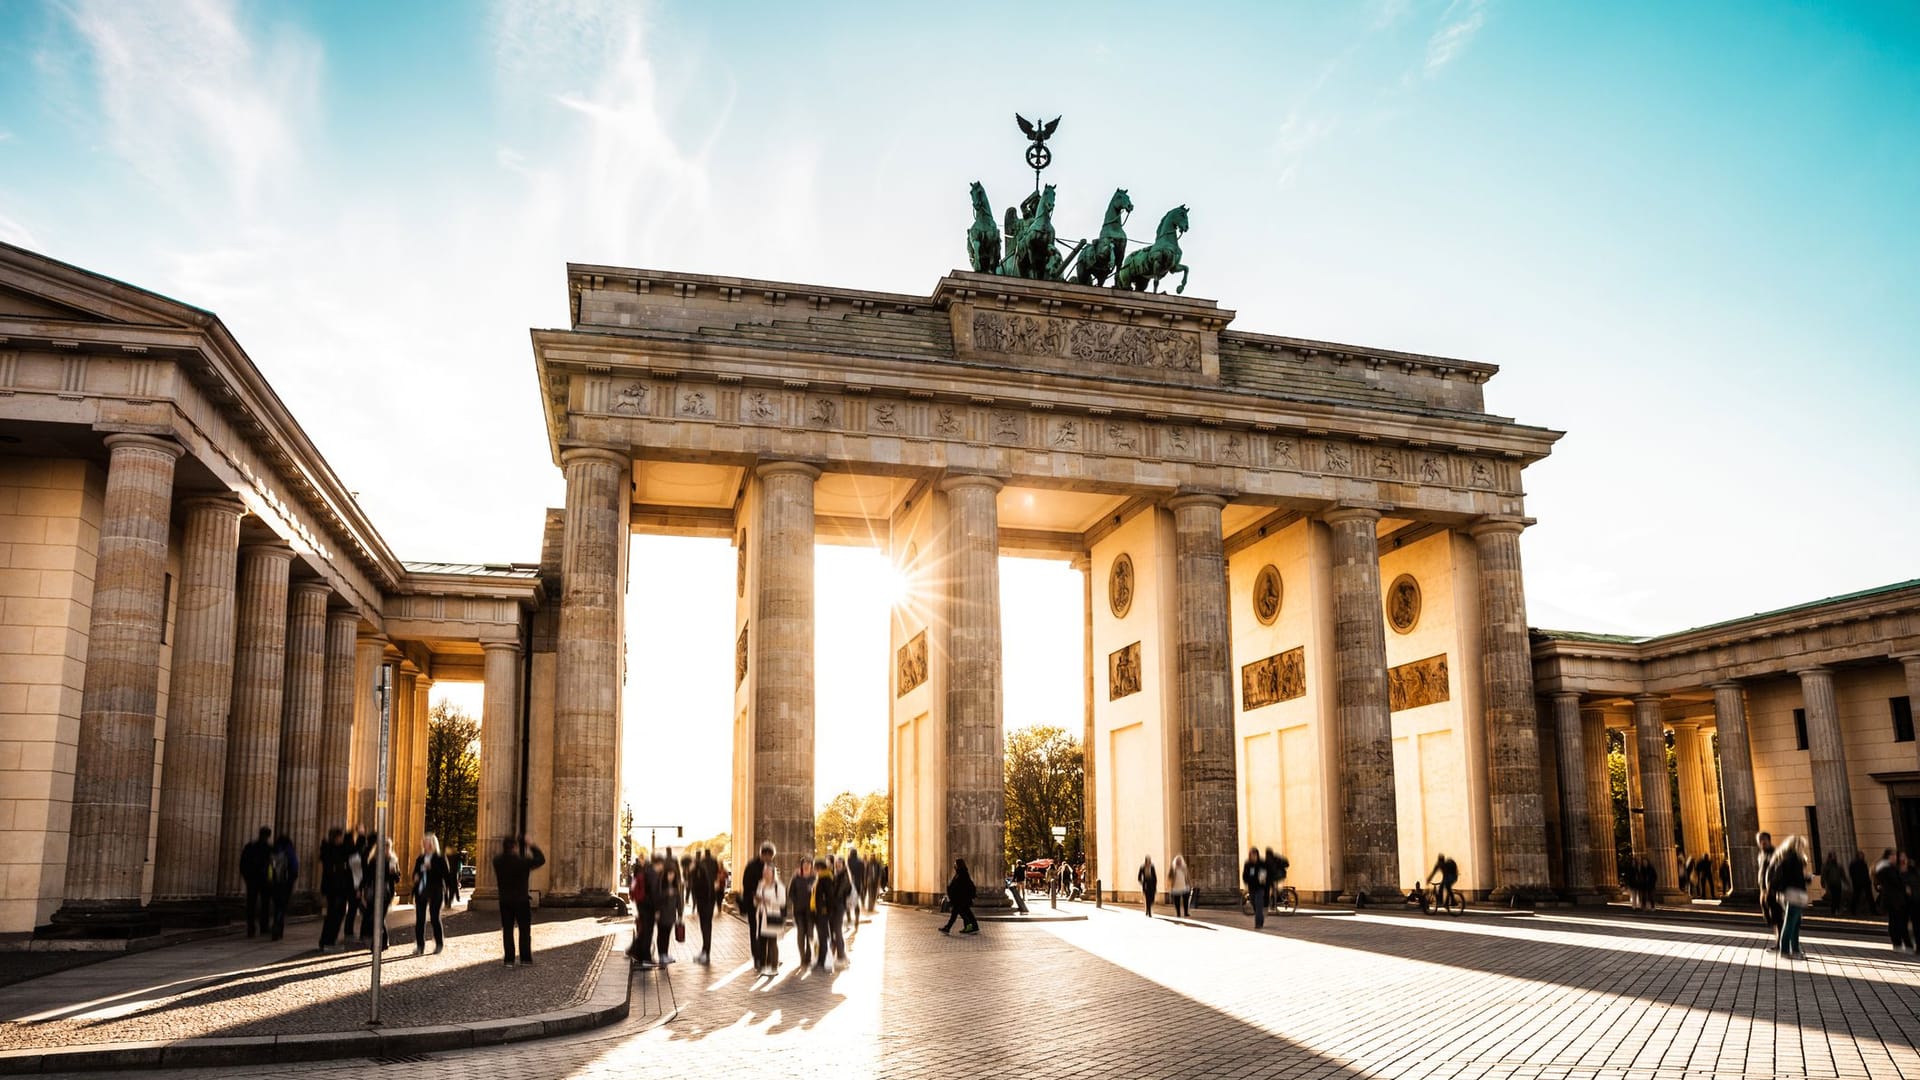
x=1687 y=233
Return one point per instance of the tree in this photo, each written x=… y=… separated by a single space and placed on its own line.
x=852 y=819
x=453 y=778
x=626 y=835
x=1046 y=778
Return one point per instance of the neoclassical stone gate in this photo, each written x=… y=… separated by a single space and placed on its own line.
x=1305 y=623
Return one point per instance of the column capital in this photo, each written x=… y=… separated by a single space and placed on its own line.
x=786 y=468
x=1208 y=499
x=1564 y=695
x=1350 y=513
x=225 y=503
x=1906 y=658
x=1493 y=526
x=272 y=549
x=953 y=481
x=124 y=440
x=1816 y=669
x=1727 y=684
x=1083 y=562
x=1689 y=722
x=308 y=588
x=499 y=646
x=581 y=454
x=1649 y=699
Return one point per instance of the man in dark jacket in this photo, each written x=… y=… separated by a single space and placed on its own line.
x=336 y=884
x=749 y=884
x=511 y=868
x=283 y=869
x=1862 y=880
x=254 y=859
x=702 y=887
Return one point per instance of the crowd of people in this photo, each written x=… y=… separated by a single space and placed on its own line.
x=1889 y=887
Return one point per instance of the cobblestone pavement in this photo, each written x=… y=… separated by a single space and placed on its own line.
x=1559 y=997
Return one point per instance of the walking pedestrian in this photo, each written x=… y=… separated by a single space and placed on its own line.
x=1149 y=883
x=846 y=909
x=434 y=882
x=1177 y=886
x=751 y=877
x=377 y=907
x=336 y=885
x=800 y=896
x=1769 y=902
x=827 y=947
x=1789 y=877
x=356 y=861
x=1253 y=874
x=1889 y=875
x=960 y=894
x=643 y=887
x=769 y=901
x=702 y=888
x=1910 y=874
x=283 y=869
x=253 y=873
x=511 y=869
x=1861 y=878
x=856 y=884
x=667 y=906
x=1833 y=883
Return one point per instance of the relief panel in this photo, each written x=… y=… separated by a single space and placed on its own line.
x=912 y=664
x=1280 y=677
x=1123 y=672
x=1422 y=682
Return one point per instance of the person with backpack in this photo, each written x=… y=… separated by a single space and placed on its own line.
x=1789 y=877
x=960 y=894
x=253 y=873
x=283 y=870
x=434 y=882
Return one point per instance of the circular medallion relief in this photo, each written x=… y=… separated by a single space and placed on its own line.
x=1403 y=604
x=1120 y=586
x=1266 y=595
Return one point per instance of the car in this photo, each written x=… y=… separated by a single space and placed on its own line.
x=466 y=875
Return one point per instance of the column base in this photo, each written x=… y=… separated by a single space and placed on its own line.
x=193 y=912
x=1588 y=897
x=1523 y=896
x=1673 y=898
x=1742 y=898
x=483 y=900
x=1217 y=898
x=99 y=919
x=1386 y=896
x=591 y=898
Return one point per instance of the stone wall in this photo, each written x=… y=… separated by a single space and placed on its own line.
x=1783 y=774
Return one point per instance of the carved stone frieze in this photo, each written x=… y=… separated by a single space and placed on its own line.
x=1267 y=595
x=1123 y=672
x=760 y=407
x=1114 y=344
x=912 y=664
x=1120 y=586
x=1422 y=682
x=630 y=399
x=1403 y=604
x=740 y=658
x=1280 y=677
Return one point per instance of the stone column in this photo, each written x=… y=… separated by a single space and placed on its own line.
x=1089 y=831
x=119 y=696
x=1593 y=745
x=1209 y=813
x=782 y=622
x=1716 y=812
x=1693 y=791
x=297 y=807
x=1370 y=859
x=589 y=671
x=1911 y=663
x=1656 y=796
x=336 y=722
x=499 y=762
x=417 y=760
x=1576 y=809
x=1736 y=775
x=253 y=734
x=185 y=857
x=1513 y=745
x=1832 y=793
x=400 y=766
x=1636 y=807
x=369 y=653
x=976 y=770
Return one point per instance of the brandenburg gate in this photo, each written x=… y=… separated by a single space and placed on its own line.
x=1304 y=618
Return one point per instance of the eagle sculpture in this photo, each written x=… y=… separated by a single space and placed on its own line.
x=1039 y=133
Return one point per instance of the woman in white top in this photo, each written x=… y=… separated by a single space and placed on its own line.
x=1177 y=887
x=769 y=904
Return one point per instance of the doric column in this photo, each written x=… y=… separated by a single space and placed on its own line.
x=782 y=622
x=1513 y=743
x=1716 y=815
x=1832 y=794
x=1693 y=790
x=1576 y=810
x=417 y=762
x=499 y=759
x=976 y=771
x=1655 y=794
x=400 y=765
x=1209 y=815
x=119 y=695
x=185 y=857
x=1089 y=831
x=1636 y=808
x=589 y=671
x=1911 y=663
x=369 y=654
x=297 y=806
x=1370 y=859
x=253 y=734
x=336 y=722
x=1593 y=747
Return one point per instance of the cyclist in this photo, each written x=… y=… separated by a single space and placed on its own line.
x=1276 y=876
x=1445 y=872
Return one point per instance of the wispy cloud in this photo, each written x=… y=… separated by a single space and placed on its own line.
x=1458 y=25
x=189 y=97
x=15 y=233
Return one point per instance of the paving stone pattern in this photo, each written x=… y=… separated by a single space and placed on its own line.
x=1489 y=995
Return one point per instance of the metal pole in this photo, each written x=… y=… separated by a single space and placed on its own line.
x=380 y=794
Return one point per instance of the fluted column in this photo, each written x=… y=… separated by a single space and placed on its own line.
x=976 y=776
x=1655 y=794
x=185 y=857
x=1089 y=831
x=253 y=735
x=417 y=762
x=1370 y=860
x=1593 y=746
x=589 y=671
x=782 y=660
x=1209 y=814
x=1910 y=662
x=499 y=759
x=119 y=696
x=1576 y=809
x=336 y=722
x=297 y=805
x=1832 y=792
x=1716 y=814
x=1513 y=736
x=1693 y=790
x=400 y=766
x=369 y=653
x=1636 y=807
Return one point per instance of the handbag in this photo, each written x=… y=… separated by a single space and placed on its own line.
x=679 y=931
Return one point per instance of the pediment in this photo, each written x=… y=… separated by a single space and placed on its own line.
x=15 y=302
x=33 y=286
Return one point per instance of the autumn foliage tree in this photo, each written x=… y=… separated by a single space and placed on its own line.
x=1045 y=776
x=849 y=819
x=453 y=778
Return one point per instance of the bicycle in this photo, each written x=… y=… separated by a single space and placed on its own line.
x=1286 y=900
x=1428 y=902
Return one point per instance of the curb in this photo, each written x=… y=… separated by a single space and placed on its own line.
x=607 y=1004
